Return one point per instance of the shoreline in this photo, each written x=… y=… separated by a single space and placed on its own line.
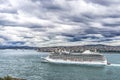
x=72 y=51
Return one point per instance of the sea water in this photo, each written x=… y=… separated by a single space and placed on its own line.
x=27 y=64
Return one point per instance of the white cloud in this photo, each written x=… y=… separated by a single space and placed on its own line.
x=2 y=40
x=96 y=35
x=59 y=22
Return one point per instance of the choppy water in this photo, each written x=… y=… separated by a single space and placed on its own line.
x=26 y=64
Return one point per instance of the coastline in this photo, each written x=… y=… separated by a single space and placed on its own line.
x=79 y=49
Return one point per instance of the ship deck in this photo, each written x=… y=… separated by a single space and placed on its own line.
x=80 y=57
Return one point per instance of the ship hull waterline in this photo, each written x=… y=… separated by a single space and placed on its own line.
x=83 y=63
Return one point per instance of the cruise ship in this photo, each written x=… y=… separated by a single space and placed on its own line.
x=86 y=58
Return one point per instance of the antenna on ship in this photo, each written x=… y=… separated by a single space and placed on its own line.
x=95 y=50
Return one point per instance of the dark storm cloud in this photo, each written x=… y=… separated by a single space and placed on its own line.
x=47 y=22
x=3 y=37
x=8 y=11
x=79 y=19
x=105 y=32
x=112 y=24
x=100 y=2
x=104 y=2
x=8 y=23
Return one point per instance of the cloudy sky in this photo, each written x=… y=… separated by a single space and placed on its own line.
x=59 y=22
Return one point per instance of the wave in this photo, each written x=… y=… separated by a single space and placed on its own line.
x=114 y=65
x=18 y=52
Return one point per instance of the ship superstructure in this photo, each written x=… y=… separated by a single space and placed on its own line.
x=85 y=58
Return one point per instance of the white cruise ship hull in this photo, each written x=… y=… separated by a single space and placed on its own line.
x=86 y=63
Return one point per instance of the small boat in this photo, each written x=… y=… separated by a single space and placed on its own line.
x=86 y=58
x=108 y=63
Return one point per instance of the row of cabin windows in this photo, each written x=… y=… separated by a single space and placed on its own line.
x=79 y=58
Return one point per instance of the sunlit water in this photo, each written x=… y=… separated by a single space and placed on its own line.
x=27 y=64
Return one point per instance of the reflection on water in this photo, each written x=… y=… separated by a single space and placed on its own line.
x=26 y=64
